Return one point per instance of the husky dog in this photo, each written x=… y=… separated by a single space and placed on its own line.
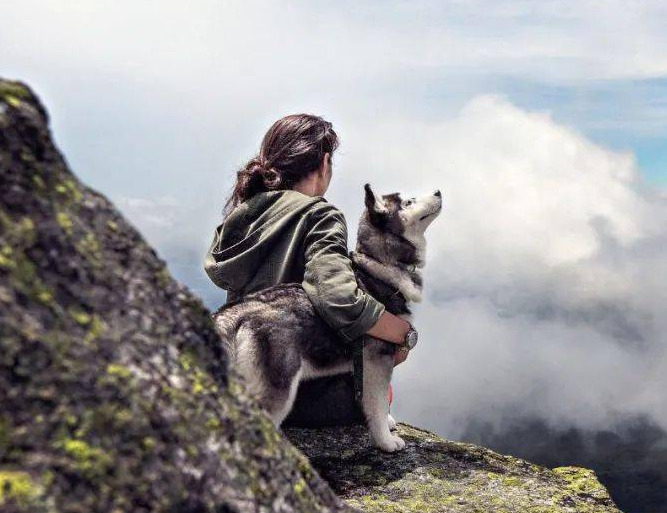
x=276 y=339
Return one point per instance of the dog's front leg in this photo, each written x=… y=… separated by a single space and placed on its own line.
x=378 y=367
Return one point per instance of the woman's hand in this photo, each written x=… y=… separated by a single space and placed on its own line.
x=390 y=327
x=400 y=356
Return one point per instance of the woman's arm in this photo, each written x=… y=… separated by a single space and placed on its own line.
x=331 y=285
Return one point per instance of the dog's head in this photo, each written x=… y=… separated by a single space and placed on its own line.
x=406 y=217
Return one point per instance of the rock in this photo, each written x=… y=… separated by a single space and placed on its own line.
x=436 y=475
x=114 y=393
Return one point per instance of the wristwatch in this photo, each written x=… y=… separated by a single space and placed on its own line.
x=410 y=339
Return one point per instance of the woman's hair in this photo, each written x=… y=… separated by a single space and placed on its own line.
x=291 y=149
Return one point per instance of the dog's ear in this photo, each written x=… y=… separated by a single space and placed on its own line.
x=377 y=210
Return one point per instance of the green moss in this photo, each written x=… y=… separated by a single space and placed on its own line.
x=65 y=222
x=6 y=261
x=18 y=486
x=163 y=277
x=303 y=465
x=202 y=382
x=186 y=360
x=80 y=317
x=271 y=436
x=14 y=90
x=19 y=233
x=149 y=443
x=119 y=371
x=512 y=481
x=26 y=155
x=90 y=248
x=97 y=327
x=45 y=297
x=300 y=486
x=91 y=461
x=70 y=190
x=23 y=272
x=213 y=423
x=39 y=181
x=580 y=480
x=13 y=100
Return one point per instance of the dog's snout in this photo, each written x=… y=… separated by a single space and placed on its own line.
x=437 y=193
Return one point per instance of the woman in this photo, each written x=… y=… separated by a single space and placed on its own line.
x=278 y=228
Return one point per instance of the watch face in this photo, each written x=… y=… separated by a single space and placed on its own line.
x=411 y=339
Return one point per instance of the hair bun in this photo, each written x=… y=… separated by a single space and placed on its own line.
x=271 y=178
x=253 y=168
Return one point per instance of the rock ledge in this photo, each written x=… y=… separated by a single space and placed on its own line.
x=436 y=475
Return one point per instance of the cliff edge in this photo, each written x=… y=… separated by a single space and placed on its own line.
x=115 y=394
x=435 y=475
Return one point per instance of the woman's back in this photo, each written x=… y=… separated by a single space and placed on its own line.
x=286 y=236
x=260 y=243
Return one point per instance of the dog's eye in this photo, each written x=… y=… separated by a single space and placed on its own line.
x=407 y=203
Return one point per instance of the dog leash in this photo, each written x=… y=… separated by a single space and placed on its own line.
x=358 y=362
x=358 y=368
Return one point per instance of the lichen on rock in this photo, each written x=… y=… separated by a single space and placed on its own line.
x=436 y=475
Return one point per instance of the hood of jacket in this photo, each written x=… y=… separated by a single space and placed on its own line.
x=246 y=237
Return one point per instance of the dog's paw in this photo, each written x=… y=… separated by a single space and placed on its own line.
x=392 y=443
x=391 y=422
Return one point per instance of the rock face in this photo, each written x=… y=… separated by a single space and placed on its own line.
x=435 y=475
x=115 y=395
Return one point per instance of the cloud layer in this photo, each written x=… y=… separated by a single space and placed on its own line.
x=546 y=277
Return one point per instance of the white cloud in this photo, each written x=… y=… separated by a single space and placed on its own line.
x=546 y=277
x=265 y=45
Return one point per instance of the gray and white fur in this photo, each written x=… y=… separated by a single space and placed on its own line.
x=276 y=339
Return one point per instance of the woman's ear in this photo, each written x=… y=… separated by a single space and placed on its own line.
x=326 y=163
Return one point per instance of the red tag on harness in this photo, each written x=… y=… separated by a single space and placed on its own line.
x=391 y=393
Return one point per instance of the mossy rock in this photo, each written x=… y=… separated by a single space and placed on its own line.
x=114 y=390
x=436 y=475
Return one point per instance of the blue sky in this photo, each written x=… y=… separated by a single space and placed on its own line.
x=544 y=123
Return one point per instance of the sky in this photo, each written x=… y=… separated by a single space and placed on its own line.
x=543 y=123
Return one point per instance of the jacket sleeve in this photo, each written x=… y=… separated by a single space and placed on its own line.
x=329 y=280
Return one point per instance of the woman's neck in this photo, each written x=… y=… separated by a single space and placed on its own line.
x=308 y=185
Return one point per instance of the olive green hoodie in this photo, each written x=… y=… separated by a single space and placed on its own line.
x=287 y=236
